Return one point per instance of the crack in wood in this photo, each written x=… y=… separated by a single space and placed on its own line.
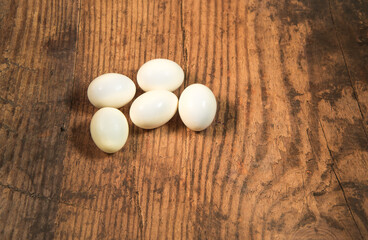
x=355 y=94
x=76 y=51
x=137 y=203
x=338 y=180
x=184 y=49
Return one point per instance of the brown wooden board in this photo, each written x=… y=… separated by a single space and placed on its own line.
x=285 y=158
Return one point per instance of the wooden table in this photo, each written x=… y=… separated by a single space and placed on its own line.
x=287 y=154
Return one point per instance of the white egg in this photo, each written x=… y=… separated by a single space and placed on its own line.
x=197 y=107
x=153 y=109
x=160 y=74
x=111 y=90
x=109 y=129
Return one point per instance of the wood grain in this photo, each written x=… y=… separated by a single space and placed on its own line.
x=37 y=44
x=286 y=157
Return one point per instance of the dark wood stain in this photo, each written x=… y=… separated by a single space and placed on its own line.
x=32 y=162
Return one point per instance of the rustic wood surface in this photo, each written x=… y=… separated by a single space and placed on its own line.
x=286 y=157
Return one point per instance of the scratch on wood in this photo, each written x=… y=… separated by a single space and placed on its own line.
x=8 y=61
x=8 y=128
x=45 y=198
x=6 y=101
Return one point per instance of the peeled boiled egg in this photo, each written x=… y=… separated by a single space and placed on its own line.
x=153 y=109
x=197 y=107
x=111 y=90
x=109 y=129
x=160 y=74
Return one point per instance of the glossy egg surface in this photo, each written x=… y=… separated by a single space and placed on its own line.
x=197 y=107
x=153 y=109
x=160 y=74
x=109 y=129
x=111 y=90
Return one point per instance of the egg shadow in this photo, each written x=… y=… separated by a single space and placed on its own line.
x=83 y=143
x=176 y=124
x=226 y=117
x=224 y=122
x=78 y=99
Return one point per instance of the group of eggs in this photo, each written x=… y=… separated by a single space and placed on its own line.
x=158 y=78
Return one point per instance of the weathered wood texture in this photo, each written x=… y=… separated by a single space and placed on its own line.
x=286 y=157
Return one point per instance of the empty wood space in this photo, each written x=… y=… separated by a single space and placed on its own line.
x=285 y=158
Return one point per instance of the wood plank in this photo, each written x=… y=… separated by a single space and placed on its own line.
x=37 y=45
x=286 y=157
x=350 y=25
x=117 y=36
x=267 y=173
x=348 y=140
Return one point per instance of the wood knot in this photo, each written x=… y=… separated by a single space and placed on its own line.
x=317 y=233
